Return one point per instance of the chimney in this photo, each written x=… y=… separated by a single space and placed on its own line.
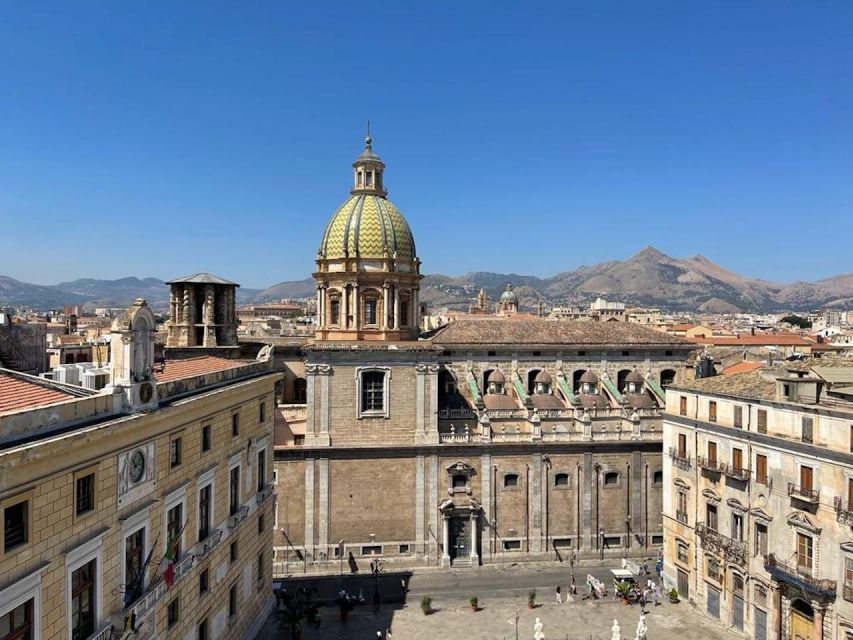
x=752 y=331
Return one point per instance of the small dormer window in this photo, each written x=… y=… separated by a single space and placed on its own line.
x=542 y=389
x=496 y=388
x=589 y=388
x=635 y=387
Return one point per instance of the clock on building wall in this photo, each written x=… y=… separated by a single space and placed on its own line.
x=137 y=466
x=146 y=390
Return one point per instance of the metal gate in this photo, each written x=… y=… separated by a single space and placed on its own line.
x=713 y=602
x=760 y=624
x=737 y=612
x=683 y=584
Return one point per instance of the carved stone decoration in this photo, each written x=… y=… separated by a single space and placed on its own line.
x=681 y=483
x=800 y=520
x=736 y=506
x=761 y=515
x=461 y=468
x=711 y=496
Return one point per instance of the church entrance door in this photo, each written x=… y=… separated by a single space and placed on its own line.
x=460 y=536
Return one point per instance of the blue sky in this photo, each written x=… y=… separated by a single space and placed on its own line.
x=165 y=138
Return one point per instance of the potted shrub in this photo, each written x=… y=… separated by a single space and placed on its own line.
x=673 y=596
x=426 y=605
x=531 y=598
x=623 y=591
x=474 y=602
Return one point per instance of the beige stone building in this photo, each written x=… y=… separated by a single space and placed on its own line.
x=96 y=487
x=491 y=438
x=758 y=504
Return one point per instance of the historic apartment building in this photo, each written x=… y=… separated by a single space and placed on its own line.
x=141 y=511
x=494 y=437
x=758 y=505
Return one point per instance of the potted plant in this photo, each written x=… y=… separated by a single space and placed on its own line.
x=531 y=598
x=426 y=605
x=623 y=591
x=474 y=602
x=673 y=596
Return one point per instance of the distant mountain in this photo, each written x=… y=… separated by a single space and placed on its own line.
x=648 y=278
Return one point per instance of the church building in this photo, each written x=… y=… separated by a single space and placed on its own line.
x=495 y=437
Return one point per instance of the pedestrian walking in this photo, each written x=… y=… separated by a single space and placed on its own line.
x=559 y=595
x=656 y=594
x=572 y=587
x=644 y=598
x=388 y=634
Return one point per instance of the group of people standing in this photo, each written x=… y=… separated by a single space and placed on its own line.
x=570 y=593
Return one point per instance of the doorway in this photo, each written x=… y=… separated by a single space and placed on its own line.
x=802 y=620
x=460 y=537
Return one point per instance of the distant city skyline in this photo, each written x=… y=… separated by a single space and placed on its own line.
x=162 y=140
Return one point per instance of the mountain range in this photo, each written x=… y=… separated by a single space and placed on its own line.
x=648 y=278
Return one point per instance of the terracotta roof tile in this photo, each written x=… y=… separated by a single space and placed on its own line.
x=190 y=367
x=779 y=339
x=17 y=392
x=542 y=331
x=757 y=383
x=740 y=367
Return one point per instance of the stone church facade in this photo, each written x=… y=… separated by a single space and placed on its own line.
x=492 y=438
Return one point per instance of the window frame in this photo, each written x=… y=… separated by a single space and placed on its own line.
x=511 y=480
x=89 y=551
x=761 y=421
x=737 y=416
x=176 y=498
x=384 y=411
x=261 y=474
x=11 y=501
x=22 y=591
x=235 y=423
x=609 y=473
x=206 y=480
x=173 y=619
x=139 y=520
x=176 y=446
x=712 y=410
x=206 y=437
x=562 y=485
x=78 y=476
x=804 y=429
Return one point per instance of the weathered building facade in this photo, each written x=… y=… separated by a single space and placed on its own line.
x=490 y=437
x=758 y=506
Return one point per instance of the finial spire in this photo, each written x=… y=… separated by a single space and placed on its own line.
x=368 y=139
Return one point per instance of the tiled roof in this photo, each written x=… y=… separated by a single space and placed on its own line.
x=740 y=367
x=202 y=278
x=748 y=384
x=542 y=331
x=21 y=392
x=190 y=367
x=779 y=339
x=682 y=327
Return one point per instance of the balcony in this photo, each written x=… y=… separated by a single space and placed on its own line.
x=264 y=493
x=803 y=494
x=843 y=512
x=202 y=548
x=238 y=516
x=736 y=473
x=149 y=600
x=104 y=632
x=555 y=414
x=731 y=549
x=293 y=412
x=506 y=414
x=710 y=465
x=679 y=458
x=457 y=414
x=798 y=577
x=458 y=436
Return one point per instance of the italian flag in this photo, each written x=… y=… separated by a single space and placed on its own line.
x=167 y=565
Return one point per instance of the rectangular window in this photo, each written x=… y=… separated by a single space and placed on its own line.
x=233 y=552
x=712 y=452
x=682 y=445
x=174 y=527
x=682 y=553
x=134 y=558
x=235 y=425
x=848 y=572
x=234 y=491
x=808 y=426
x=681 y=510
x=373 y=391
x=232 y=601
x=805 y=552
x=737 y=459
x=260 y=524
x=203 y=582
x=261 y=572
x=404 y=312
x=711 y=514
x=806 y=478
x=84 y=500
x=682 y=405
x=371 y=550
x=760 y=539
x=713 y=569
x=761 y=468
x=512 y=545
x=712 y=411
x=16 y=525
x=175 y=453
x=404 y=549
x=204 y=513
x=202 y=630
x=737 y=527
x=762 y=421
x=173 y=612
x=262 y=469
x=737 y=418
x=82 y=602
x=17 y=624
x=262 y=412
x=205 y=438
x=335 y=311
x=849 y=494
x=370 y=311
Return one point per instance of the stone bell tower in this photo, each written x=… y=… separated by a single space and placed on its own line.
x=202 y=312
x=132 y=356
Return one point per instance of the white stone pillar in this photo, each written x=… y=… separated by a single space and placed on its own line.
x=355 y=304
x=432 y=436
x=420 y=496
x=319 y=307
x=309 y=509
x=445 y=538
x=323 y=508
x=475 y=519
x=386 y=300
x=344 y=321
x=396 y=308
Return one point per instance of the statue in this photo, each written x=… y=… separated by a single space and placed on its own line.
x=615 y=631
x=538 y=634
x=641 y=628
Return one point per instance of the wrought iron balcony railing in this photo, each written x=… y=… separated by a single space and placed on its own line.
x=796 y=576
x=803 y=494
x=679 y=458
x=711 y=465
x=843 y=511
x=681 y=516
x=731 y=549
x=737 y=473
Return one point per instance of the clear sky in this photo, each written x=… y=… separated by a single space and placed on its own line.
x=165 y=138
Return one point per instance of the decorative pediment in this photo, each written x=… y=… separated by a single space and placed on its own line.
x=736 y=505
x=800 y=520
x=711 y=496
x=678 y=482
x=761 y=515
x=847 y=547
x=461 y=468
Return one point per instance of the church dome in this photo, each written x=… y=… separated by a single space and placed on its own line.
x=367 y=225
x=634 y=376
x=509 y=295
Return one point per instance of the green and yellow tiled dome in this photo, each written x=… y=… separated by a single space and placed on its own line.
x=367 y=226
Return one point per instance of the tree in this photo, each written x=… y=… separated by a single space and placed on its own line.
x=797 y=321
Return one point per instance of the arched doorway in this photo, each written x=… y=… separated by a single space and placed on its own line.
x=802 y=620
x=620 y=380
x=531 y=385
x=576 y=379
x=667 y=377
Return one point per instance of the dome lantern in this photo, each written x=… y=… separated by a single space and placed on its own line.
x=367 y=170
